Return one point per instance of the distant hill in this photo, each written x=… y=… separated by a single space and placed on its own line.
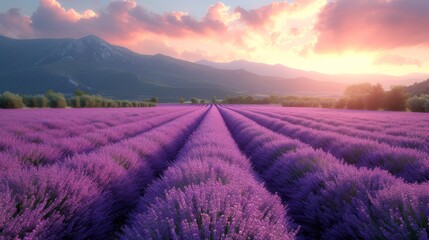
x=282 y=71
x=94 y=65
x=419 y=88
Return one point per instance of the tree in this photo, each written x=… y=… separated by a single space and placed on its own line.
x=78 y=92
x=213 y=100
x=42 y=101
x=274 y=99
x=202 y=101
x=364 y=96
x=418 y=104
x=340 y=103
x=327 y=103
x=356 y=95
x=75 y=102
x=29 y=101
x=395 y=99
x=374 y=100
x=358 y=90
x=181 y=100
x=249 y=99
x=56 y=99
x=11 y=100
x=154 y=99
x=194 y=100
x=87 y=101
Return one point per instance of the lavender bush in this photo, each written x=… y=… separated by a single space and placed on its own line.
x=213 y=172
x=410 y=164
x=326 y=197
x=52 y=203
x=209 y=196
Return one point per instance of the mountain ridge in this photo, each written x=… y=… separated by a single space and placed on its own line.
x=279 y=70
x=32 y=66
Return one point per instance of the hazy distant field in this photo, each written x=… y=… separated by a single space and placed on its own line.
x=213 y=172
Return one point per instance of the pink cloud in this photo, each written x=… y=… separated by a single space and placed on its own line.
x=155 y=46
x=372 y=25
x=13 y=24
x=194 y=55
x=260 y=17
x=294 y=31
x=218 y=12
x=121 y=21
x=125 y=22
x=396 y=60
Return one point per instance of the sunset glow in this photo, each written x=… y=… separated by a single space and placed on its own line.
x=342 y=36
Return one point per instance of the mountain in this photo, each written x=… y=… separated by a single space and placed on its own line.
x=90 y=48
x=262 y=69
x=282 y=71
x=33 y=66
x=419 y=88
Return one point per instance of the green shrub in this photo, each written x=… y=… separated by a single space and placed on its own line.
x=75 y=102
x=126 y=103
x=327 y=103
x=42 y=101
x=11 y=100
x=112 y=103
x=418 y=103
x=56 y=99
x=35 y=101
x=394 y=99
x=30 y=101
x=427 y=106
x=340 y=103
x=194 y=100
x=154 y=99
x=356 y=103
x=87 y=101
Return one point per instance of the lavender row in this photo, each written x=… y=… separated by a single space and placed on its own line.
x=408 y=125
x=41 y=131
x=346 y=129
x=390 y=123
x=381 y=118
x=33 y=130
x=209 y=193
x=330 y=199
x=70 y=122
x=86 y=197
x=55 y=150
x=409 y=164
x=414 y=125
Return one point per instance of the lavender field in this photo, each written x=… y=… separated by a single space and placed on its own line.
x=213 y=172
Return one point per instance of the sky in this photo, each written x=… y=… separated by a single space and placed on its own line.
x=330 y=36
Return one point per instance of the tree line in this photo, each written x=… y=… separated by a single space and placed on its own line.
x=194 y=100
x=363 y=96
x=366 y=96
x=79 y=99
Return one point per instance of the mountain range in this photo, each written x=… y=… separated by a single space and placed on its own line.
x=282 y=71
x=32 y=66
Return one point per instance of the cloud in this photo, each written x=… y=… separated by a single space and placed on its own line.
x=390 y=59
x=294 y=31
x=154 y=46
x=121 y=20
x=372 y=25
x=194 y=56
x=265 y=15
x=124 y=21
x=13 y=24
x=52 y=20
